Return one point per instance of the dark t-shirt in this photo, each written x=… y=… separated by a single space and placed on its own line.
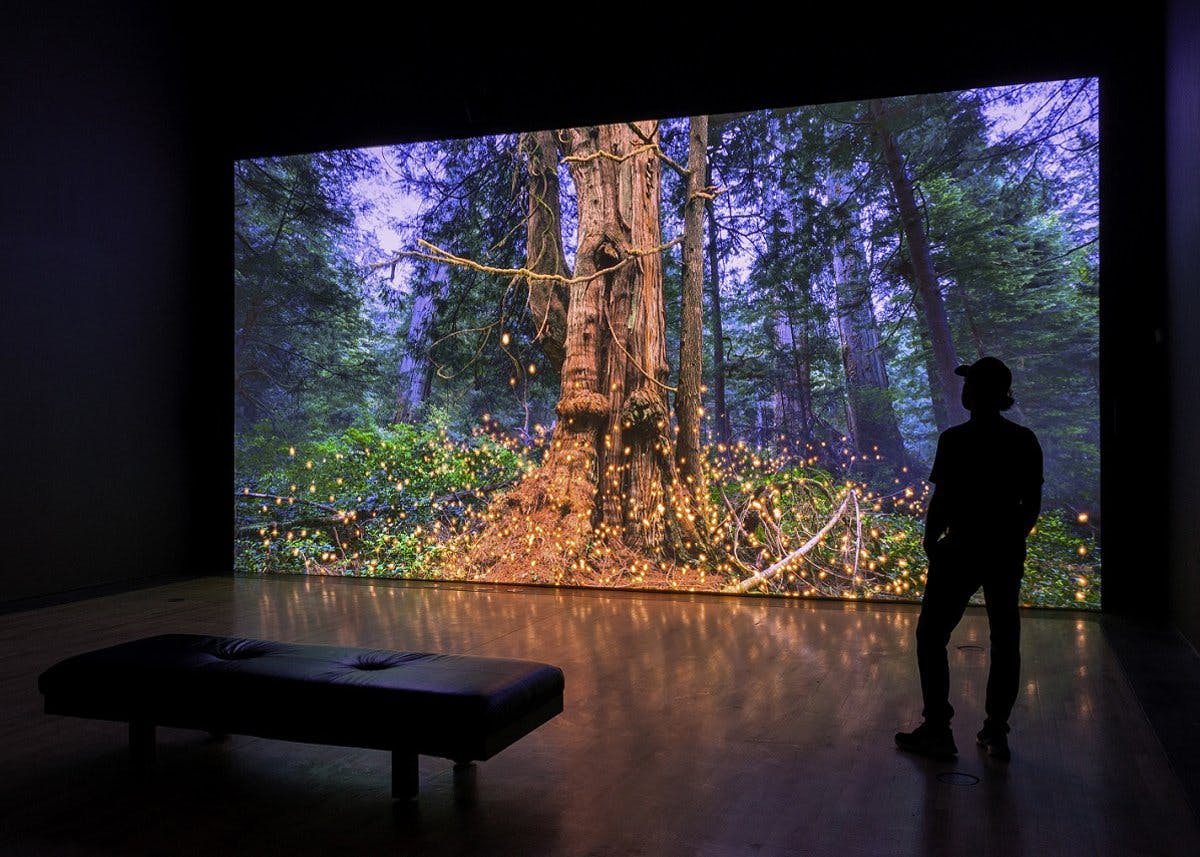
x=983 y=468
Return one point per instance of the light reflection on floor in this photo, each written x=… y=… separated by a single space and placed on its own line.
x=692 y=725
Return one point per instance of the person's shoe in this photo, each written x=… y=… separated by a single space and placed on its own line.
x=929 y=739
x=995 y=739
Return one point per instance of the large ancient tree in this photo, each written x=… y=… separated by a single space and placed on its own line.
x=608 y=486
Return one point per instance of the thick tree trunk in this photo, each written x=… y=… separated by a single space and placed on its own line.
x=922 y=260
x=603 y=484
x=937 y=393
x=543 y=245
x=618 y=196
x=688 y=402
x=872 y=420
x=721 y=417
x=415 y=371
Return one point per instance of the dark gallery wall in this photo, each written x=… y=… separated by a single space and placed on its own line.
x=1183 y=271
x=95 y=263
x=115 y=152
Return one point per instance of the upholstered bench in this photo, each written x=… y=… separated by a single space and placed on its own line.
x=459 y=707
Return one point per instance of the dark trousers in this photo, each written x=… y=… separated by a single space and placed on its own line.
x=955 y=574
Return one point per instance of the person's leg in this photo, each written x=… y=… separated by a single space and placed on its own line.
x=947 y=590
x=1002 y=590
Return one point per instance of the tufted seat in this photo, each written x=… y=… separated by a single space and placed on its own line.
x=461 y=707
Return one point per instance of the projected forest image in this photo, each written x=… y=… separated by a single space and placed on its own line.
x=710 y=353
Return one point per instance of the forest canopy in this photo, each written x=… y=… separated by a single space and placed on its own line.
x=705 y=353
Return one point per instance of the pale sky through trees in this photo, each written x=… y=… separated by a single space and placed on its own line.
x=1061 y=112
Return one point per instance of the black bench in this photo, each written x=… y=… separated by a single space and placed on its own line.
x=459 y=707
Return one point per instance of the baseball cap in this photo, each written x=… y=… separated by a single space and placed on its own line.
x=987 y=373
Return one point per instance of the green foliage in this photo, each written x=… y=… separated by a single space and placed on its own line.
x=1056 y=573
x=1012 y=263
x=303 y=354
x=876 y=554
x=370 y=500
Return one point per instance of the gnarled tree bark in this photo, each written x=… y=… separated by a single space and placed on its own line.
x=606 y=483
x=688 y=401
x=543 y=245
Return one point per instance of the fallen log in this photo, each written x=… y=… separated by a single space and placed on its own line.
x=354 y=517
x=772 y=570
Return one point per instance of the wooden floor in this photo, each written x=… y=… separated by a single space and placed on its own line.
x=694 y=725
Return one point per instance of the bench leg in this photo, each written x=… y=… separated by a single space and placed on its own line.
x=465 y=781
x=405 y=780
x=141 y=745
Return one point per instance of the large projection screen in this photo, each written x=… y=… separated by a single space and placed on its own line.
x=706 y=353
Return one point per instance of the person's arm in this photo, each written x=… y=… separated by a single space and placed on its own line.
x=935 y=521
x=935 y=515
x=1031 y=493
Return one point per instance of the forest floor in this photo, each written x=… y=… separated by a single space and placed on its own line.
x=399 y=502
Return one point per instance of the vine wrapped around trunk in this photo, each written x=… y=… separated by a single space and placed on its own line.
x=606 y=491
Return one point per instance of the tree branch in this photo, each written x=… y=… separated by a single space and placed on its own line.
x=769 y=572
x=359 y=516
x=437 y=254
x=604 y=153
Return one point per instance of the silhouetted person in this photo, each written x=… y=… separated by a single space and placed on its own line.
x=987 y=477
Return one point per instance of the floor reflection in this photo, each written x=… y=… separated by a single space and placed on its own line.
x=692 y=724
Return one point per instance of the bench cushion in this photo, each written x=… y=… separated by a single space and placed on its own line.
x=457 y=706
